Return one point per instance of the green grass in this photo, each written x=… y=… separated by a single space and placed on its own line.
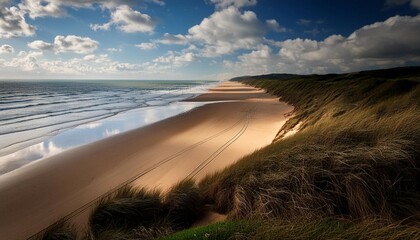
x=299 y=229
x=221 y=230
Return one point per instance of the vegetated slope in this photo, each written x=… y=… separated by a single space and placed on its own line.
x=351 y=172
x=357 y=154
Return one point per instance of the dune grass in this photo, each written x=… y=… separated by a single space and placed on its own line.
x=125 y=210
x=351 y=172
x=133 y=213
x=356 y=155
x=61 y=230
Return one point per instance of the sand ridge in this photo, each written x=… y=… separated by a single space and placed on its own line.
x=238 y=120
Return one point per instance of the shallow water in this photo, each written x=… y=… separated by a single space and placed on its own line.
x=42 y=118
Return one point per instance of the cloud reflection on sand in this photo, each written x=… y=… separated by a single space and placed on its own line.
x=91 y=132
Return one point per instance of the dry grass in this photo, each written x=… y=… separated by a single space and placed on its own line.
x=356 y=158
x=134 y=213
x=184 y=204
x=326 y=228
x=125 y=210
x=61 y=230
x=357 y=155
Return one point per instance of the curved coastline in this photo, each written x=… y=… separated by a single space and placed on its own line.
x=198 y=142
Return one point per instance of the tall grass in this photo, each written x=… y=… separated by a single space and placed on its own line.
x=125 y=210
x=61 y=230
x=351 y=172
x=184 y=204
x=356 y=155
x=133 y=213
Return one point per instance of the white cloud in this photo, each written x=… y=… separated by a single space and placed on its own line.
x=42 y=8
x=220 y=4
x=4 y=2
x=396 y=37
x=147 y=46
x=228 y=30
x=275 y=26
x=102 y=58
x=159 y=2
x=177 y=39
x=13 y=23
x=5 y=48
x=176 y=59
x=26 y=61
x=41 y=45
x=69 y=43
x=127 y=20
x=57 y=8
x=393 y=42
x=34 y=64
x=103 y=27
x=113 y=50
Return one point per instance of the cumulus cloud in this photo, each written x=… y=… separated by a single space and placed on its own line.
x=413 y=3
x=382 y=44
x=176 y=59
x=102 y=58
x=26 y=61
x=70 y=43
x=275 y=26
x=33 y=63
x=41 y=45
x=228 y=30
x=220 y=4
x=6 y=49
x=13 y=23
x=42 y=8
x=57 y=8
x=147 y=46
x=128 y=20
x=177 y=39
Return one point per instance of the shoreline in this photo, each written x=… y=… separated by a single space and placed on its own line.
x=22 y=148
x=240 y=120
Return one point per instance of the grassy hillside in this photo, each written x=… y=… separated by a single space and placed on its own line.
x=351 y=172
x=356 y=154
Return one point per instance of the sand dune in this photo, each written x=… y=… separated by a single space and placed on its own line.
x=192 y=144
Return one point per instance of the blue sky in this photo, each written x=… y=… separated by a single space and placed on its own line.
x=203 y=39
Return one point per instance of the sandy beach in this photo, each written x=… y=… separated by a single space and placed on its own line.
x=237 y=121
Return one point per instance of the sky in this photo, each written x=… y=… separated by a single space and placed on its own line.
x=203 y=39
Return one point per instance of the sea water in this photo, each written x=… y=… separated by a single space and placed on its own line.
x=39 y=119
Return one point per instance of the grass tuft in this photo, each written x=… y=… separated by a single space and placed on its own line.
x=127 y=209
x=61 y=230
x=185 y=204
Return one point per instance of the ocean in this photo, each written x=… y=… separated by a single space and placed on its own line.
x=39 y=119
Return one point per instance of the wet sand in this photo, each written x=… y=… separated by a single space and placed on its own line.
x=237 y=121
